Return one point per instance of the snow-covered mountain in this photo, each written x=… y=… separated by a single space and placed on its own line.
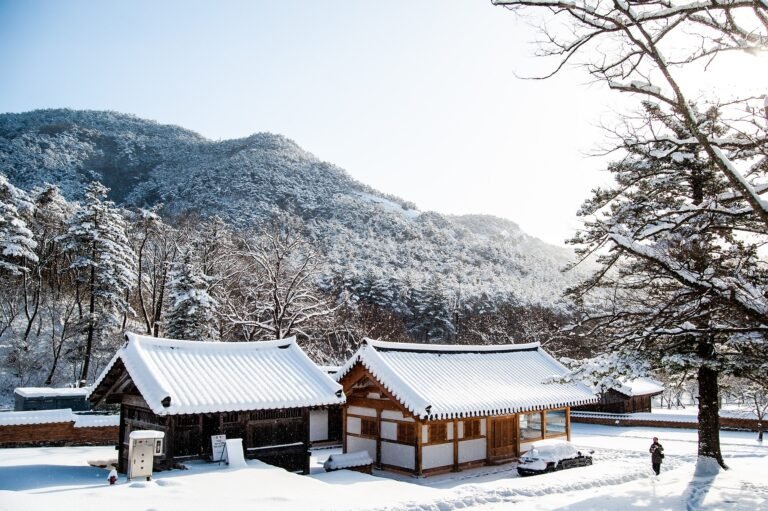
x=366 y=235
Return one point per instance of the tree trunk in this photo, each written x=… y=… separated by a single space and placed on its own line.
x=709 y=413
x=91 y=328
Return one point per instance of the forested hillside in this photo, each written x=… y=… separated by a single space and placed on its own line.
x=210 y=225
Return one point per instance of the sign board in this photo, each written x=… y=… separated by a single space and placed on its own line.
x=218 y=444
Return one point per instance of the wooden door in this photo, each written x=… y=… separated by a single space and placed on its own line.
x=503 y=437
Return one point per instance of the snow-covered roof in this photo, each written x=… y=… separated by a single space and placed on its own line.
x=36 y=417
x=51 y=392
x=443 y=382
x=347 y=460
x=640 y=387
x=210 y=377
x=144 y=433
x=96 y=421
x=30 y=417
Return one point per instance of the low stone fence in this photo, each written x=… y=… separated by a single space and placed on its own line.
x=653 y=420
x=57 y=428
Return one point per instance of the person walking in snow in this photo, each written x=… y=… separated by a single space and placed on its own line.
x=657 y=454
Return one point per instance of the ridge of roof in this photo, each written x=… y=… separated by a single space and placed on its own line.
x=449 y=348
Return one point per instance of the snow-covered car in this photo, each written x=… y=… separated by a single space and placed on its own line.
x=551 y=455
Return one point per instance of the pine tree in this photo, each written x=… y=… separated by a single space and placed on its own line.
x=104 y=266
x=17 y=244
x=192 y=309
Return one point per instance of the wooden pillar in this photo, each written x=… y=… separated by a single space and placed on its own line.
x=378 y=437
x=517 y=434
x=568 y=423
x=488 y=440
x=455 y=445
x=543 y=419
x=121 y=465
x=305 y=418
x=344 y=428
x=419 y=443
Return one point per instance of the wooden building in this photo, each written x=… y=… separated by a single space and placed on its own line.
x=49 y=398
x=426 y=409
x=633 y=396
x=262 y=392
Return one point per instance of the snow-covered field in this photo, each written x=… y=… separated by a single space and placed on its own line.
x=620 y=479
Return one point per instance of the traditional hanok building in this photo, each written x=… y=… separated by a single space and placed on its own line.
x=425 y=409
x=262 y=392
x=633 y=396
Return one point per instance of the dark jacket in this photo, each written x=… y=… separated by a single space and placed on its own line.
x=657 y=452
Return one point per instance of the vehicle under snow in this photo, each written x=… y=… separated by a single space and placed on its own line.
x=551 y=455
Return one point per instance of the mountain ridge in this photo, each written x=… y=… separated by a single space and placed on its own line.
x=250 y=179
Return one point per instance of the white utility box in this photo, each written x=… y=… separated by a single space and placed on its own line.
x=143 y=447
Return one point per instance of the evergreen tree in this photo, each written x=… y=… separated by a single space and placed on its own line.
x=104 y=266
x=191 y=315
x=17 y=244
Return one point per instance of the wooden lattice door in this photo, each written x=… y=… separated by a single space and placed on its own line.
x=503 y=437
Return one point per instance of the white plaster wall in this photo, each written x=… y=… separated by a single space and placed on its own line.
x=482 y=426
x=461 y=429
x=471 y=450
x=439 y=455
x=355 y=444
x=398 y=455
x=389 y=430
x=449 y=431
x=318 y=425
x=392 y=414
x=359 y=410
x=425 y=434
x=353 y=425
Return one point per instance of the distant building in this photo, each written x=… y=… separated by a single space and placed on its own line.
x=48 y=398
x=262 y=392
x=425 y=409
x=632 y=396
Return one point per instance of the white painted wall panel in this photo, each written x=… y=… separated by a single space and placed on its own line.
x=353 y=425
x=472 y=450
x=425 y=434
x=392 y=414
x=483 y=422
x=355 y=444
x=389 y=430
x=318 y=425
x=398 y=455
x=449 y=431
x=359 y=410
x=439 y=455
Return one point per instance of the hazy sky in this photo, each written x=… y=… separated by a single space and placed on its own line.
x=415 y=98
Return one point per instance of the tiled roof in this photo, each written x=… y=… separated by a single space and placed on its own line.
x=641 y=387
x=50 y=392
x=36 y=417
x=210 y=377
x=444 y=382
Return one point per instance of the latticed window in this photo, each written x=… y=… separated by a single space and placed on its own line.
x=230 y=417
x=438 y=432
x=368 y=427
x=472 y=428
x=406 y=433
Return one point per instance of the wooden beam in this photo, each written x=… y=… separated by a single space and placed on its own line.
x=344 y=429
x=378 y=404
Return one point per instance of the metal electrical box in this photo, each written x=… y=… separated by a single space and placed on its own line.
x=143 y=447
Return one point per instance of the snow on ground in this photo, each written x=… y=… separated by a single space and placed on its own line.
x=621 y=478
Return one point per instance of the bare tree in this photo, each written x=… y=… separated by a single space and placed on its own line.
x=277 y=294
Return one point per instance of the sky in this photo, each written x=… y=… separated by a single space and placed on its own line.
x=422 y=100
